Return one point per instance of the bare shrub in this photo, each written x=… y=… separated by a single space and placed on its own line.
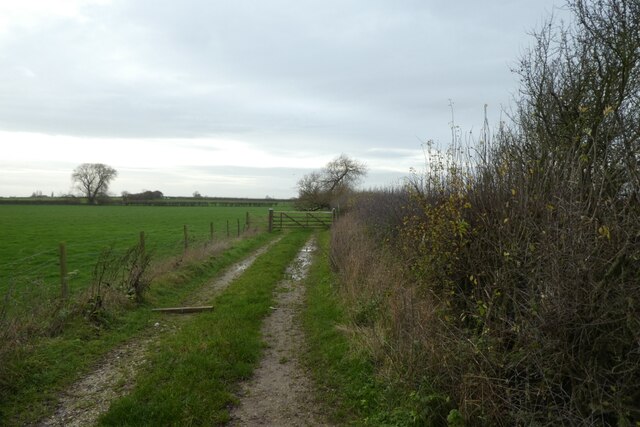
x=385 y=210
x=118 y=275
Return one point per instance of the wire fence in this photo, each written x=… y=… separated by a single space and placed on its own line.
x=68 y=268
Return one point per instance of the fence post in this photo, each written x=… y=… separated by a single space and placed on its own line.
x=211 y=230
x=270 y=220
x=227 y=229
x=63 y=271
x=186 y=237
x=238 y=227
x=334 y=215
x=142 y=241
x=247 y=220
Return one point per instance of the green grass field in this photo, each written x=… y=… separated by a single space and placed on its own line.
x=30 y=235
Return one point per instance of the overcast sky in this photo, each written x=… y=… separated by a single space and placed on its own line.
x=242 y=98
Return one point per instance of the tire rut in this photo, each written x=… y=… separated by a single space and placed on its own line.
x=280 y=393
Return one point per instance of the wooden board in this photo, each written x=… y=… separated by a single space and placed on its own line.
x=183 y=310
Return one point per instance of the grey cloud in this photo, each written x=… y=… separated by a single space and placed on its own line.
x=284 y=75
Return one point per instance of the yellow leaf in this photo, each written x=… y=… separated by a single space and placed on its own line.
x=506 y=220
x=608 y=110
x=603 y=230
x=513 y=192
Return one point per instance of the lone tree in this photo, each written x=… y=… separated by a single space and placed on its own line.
x=93 y=179
x=332 y=185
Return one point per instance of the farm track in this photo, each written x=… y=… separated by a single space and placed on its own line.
x=280 y=393
x=114 y=376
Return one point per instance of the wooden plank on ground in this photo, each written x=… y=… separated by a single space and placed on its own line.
x=184 y=310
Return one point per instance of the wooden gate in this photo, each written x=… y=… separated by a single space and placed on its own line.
x=280 y=220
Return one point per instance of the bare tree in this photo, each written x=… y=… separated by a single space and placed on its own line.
x=93 y=179
x=580 y=102
x=343 y=172
x=331 y=185
x=312 y=194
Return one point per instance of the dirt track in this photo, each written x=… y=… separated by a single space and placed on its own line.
x=113 y=377
x=280 y=392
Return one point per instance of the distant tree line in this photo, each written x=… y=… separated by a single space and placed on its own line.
x=145 y=195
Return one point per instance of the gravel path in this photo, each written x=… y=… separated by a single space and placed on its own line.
x=280 y=392
x=113 y=377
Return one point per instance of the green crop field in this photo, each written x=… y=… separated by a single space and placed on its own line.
x=30 y=236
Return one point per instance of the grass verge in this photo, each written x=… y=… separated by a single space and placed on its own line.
x=346 y=381
x=37 y=371
x=191 y=378
x=349 y=385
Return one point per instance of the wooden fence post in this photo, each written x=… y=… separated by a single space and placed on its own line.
x=270 y=220
x=186 y=237
x=63 y=271
x=142 y=248
x=211 y=230
x=246 y=222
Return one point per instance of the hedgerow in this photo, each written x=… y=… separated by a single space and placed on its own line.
x=511 y=283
